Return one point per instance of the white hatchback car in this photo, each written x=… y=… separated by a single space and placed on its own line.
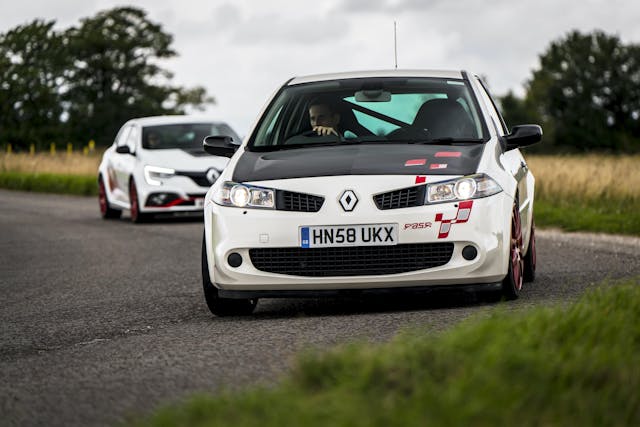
x=366 y=182
x=157 y=165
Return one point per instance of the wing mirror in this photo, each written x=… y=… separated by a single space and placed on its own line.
x=220 y=145
x=123 y=149
x=523 y=135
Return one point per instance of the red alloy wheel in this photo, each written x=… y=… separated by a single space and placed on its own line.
x=133 y=198
x=517 y=263
x=102 y=198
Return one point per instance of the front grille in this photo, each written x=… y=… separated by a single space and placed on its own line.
x=351 y=261
x=298 y=202
x=403 y=198
x=200 y=178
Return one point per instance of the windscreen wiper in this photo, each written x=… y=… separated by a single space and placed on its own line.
x=305 y=145
x=447 y=141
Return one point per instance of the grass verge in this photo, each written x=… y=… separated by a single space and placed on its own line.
x=573 y=365
x=612 y=216
x=50 y=183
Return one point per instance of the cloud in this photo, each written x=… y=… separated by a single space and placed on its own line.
x=269 y=27
x=242 y=50
x=370 y=6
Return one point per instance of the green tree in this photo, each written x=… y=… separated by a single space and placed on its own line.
x=116 y=74
x=517 y=111
x=31 y=66
x=587 y=91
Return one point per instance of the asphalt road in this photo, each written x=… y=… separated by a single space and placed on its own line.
x=105 y=319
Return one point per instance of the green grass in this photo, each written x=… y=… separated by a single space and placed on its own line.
x=606 y=216
x=558 y=366
x=50 y=183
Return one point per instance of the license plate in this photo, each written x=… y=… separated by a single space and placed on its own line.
x=199 y=203
x=349 y=235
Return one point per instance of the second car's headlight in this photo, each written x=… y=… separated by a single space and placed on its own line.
x=245 y=196
x=153 y=174
x=467 y=187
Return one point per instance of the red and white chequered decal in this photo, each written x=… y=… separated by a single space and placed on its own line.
x=462 y=216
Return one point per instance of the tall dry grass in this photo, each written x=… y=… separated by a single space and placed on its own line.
x=592 y=177
x=60 y=163
x=589 y=177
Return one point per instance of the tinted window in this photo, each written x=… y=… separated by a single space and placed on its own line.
x=392 y=110
x=184 y=136
x=493 y=110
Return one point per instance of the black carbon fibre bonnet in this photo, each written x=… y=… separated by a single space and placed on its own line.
x=369 y=159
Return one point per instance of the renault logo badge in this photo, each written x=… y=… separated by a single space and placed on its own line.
x=348 y=200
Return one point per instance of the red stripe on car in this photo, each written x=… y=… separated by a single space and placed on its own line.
x=415 y=162
x=448 y=154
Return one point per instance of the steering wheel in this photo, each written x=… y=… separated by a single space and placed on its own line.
x=313 y=134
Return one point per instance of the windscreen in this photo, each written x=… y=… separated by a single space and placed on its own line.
x=187 y=136
x=377 y=110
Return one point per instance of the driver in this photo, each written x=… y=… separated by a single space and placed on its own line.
x=153 y=140
x=323 y=117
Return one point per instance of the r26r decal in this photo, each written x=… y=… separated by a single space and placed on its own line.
x=462 y=216
x=417 y=225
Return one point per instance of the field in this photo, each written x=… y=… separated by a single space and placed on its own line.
x=588 y=192
x=75 y=163
x=590 y=178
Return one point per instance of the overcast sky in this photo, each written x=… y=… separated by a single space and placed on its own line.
x=243 y=50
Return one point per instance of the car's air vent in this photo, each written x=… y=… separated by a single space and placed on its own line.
x=351 y=261
x=298 y=202
x=403 y=198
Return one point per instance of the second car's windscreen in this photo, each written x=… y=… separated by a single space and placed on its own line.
x=186 y=136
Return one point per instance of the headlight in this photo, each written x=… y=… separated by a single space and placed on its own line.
x=245 y=196
x=153 y=174
x=468 y=187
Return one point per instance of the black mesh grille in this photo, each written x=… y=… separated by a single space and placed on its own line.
x=298 y=202
x=351 y=261
x=403 y=198
x=200 y=178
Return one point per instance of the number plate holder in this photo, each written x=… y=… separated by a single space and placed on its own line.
x=326 y=236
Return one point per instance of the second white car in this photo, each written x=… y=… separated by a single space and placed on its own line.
x=157 y=165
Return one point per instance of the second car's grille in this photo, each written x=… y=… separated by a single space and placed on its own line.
x=403 y=198
x=351 y=261
x=298 y=202
x=199 y=178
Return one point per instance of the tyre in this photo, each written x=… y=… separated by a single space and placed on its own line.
x=222 y=306
x=529 y=272
x=105 y=210
x=136 y=215
x=512 y=283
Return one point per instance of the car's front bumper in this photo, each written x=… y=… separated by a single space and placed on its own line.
x=233 y=230
x=178 y=194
